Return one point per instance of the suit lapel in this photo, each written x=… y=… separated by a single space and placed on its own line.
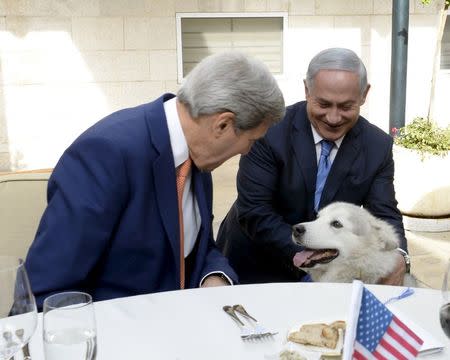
x=164 y=174
x=305 y=152
x=345 y=157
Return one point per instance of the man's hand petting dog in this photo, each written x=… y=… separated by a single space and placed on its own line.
x=397 y=276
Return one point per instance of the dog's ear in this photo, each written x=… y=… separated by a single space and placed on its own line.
x=386 y=234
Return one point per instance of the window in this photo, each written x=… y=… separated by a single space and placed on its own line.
x=200 y=35
x=445 y=47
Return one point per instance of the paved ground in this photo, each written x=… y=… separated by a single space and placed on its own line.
x=429 y=251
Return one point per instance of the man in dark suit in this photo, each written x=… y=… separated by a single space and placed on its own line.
x=276 y=181
x=112 y=227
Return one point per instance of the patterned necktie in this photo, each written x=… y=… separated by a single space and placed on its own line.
x=182 y=173
x=323 y=170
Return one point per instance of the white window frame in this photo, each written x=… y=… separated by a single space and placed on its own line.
x=443 y=71
x=180 y=16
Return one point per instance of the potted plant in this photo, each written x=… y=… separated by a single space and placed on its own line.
x=422 y=169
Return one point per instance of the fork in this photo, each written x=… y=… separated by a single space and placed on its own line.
x=25 y=348
x=258 y=328
x=246 y=332
x=257 y=332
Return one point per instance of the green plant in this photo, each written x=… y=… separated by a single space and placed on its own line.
x=424 y=136
x=427 y=2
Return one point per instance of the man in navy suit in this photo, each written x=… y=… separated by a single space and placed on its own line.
x=111 y=227
x=276 y=181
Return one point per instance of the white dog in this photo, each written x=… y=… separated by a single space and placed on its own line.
x=346 y=242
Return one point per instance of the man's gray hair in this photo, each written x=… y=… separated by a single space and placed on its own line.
x=337 y=59
x=232 y=81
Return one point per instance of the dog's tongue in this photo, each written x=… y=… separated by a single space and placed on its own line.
x=309 y=258
x=301 y=257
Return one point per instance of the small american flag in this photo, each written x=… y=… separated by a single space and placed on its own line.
x=381 y=335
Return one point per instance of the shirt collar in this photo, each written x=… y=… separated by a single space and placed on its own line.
x=318 y=138
x=178 y=142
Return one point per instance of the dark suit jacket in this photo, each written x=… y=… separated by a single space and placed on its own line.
x=111 y=226
x=276 y=183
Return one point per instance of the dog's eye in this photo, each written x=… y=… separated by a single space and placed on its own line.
x=336 y=224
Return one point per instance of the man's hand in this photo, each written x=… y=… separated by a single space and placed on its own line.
x=396 y=277
x=214 y=280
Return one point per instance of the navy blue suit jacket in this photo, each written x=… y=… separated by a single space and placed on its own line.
x=111 y=225
x=276 y=183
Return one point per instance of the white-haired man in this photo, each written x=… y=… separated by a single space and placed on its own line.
x=113 y=225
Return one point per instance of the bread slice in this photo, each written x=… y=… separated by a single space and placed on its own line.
x=321 y=335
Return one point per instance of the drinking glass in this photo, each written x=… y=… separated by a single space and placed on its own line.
x=69 y=327
x=444 y=313
x=18 y=314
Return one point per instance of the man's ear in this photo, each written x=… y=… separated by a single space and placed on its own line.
x=223 y=123
x=364 y=95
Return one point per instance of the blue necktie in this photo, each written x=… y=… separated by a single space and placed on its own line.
x=323 y=170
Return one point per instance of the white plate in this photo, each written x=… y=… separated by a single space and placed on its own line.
x=324 y=351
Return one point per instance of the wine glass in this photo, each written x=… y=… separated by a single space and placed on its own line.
x=444 y=313
x=18 y=314
x=69 y=327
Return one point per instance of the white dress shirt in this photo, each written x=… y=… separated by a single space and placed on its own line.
x=191 y=212
x=334 y=150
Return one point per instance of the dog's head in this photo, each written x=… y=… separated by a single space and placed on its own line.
x=342 y=230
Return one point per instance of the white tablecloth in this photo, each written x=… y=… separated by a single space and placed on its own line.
x=191 y=325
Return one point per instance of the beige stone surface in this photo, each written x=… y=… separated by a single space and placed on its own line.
x=36 y=33
x=98 y=33
x=43 y=66
x=301 y=7
x=358 y=27
x=52 y=7
x=5 y=163
x=171 y=86
x=163 y=8
x=233 y=6
x=69 y=44
x=277 y=5
x=186 y=6
x=120 y=95
x=118 y=65
x=150 y=33
x=3 y=133
x=349 y=7
x=209 y=5
x=125 y=7
x=163 y=65
x=22 y=25
x=255 y=5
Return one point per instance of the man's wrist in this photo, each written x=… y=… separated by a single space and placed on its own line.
x=221 y=275
x=407 y=259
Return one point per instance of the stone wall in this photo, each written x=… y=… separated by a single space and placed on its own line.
x=64 y=64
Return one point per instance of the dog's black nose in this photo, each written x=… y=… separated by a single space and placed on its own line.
x=298 y=230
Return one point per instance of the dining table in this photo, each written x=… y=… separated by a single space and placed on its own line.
x=190 y=324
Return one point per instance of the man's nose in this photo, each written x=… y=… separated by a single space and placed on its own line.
x=333 y=116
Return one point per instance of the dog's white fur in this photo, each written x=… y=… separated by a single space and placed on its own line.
x=367 y=245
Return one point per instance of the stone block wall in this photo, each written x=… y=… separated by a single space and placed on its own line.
x=64 y=64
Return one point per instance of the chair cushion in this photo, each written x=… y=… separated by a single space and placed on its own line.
x=22 y=201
